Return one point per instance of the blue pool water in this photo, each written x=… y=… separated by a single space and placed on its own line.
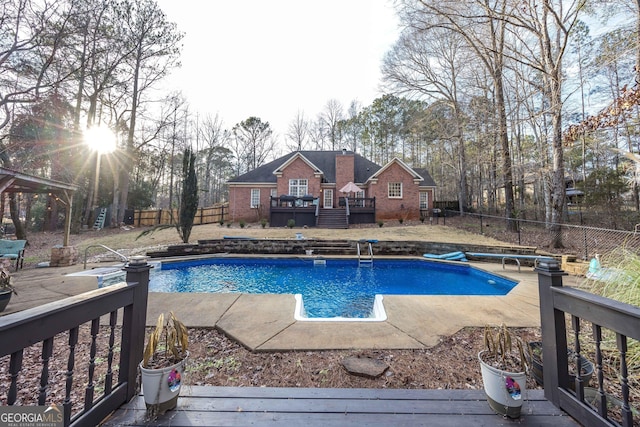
x=338 y=289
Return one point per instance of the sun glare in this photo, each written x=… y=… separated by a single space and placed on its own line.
x=100 y=139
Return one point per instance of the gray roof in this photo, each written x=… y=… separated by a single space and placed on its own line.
x=323 y=160
x=428 y=181
x=326 y=162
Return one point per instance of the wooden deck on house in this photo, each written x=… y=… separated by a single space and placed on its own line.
x=243 y=406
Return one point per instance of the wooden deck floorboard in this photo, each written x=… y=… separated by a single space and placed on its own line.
x=258 y=406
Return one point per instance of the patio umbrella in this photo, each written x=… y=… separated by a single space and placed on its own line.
x=350 y=188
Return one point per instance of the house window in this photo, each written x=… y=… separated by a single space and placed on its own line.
x=274 y=192
x=255 y=197
x=298 y=187
x=424 y=200
x=395 y=190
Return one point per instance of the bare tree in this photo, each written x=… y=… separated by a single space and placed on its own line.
x=432 y=63
x=32 y=35
x=155 y=46
x=254 y=143
x=481 y=25
x=298 y=133
x=318 y=134
x=550 y=23
x=217 y=158
x=330 y=119
x=350 y=127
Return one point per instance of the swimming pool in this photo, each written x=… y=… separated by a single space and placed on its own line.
x=331 y=288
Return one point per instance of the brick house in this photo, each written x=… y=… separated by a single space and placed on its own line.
x=305 y=186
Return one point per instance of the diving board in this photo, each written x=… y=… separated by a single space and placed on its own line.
x=513 y=257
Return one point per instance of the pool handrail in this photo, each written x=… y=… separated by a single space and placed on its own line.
x=124 y=258
x=512 y=257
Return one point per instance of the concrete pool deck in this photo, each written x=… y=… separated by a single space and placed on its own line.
x=266 y=322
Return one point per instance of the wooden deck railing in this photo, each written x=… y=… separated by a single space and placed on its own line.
x=66 y=320
x=368 y=203
x=606 y=318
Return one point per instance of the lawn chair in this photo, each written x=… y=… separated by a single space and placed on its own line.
x=13 y=249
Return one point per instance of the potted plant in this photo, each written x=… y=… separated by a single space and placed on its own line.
x=163 y=364
x=503 y=368
x=534 y=360
x=6 y=288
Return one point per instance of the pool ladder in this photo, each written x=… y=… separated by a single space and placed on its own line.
x=123 y=257
x=365 y=260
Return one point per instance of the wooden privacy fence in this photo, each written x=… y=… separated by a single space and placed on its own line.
x=209 y=215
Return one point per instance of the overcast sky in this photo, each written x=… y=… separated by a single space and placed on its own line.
x=270 y=59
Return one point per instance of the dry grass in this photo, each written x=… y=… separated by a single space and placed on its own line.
x=132 y=241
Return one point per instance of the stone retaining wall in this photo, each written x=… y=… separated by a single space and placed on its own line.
x=328 y=247
x=64 y=256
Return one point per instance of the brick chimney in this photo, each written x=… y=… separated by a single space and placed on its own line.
x=345 y=169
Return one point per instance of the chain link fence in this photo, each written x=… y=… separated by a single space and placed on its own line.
x=581 y=241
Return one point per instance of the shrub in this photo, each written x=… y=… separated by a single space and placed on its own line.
x=291 y=223
x=242 y=224
x=401 y=220
x=380 y=223
x=263 y=222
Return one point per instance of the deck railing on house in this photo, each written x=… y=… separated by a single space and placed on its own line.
x=302 y=210
x=358 y=202
x=94 y=313
x=609 y=321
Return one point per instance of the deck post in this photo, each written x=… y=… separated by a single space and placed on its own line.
x=134 y=323
x=553 y=327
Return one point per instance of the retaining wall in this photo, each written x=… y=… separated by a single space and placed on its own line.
x=328 y=247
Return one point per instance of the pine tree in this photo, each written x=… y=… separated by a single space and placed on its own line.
x=189 y=199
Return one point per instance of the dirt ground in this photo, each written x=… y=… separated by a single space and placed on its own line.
x=452 y=364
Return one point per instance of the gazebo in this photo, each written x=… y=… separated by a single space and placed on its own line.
x=18 y=182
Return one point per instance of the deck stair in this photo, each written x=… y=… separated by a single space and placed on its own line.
x=365 y=259
x=99 y=223
x=332 y=218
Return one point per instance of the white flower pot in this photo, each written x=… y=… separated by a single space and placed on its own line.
x=505 y=390
x=161 y=387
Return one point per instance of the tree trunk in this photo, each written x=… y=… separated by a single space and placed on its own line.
x=13 y=203
x=124 y=175
x=462 y=182
x=554 y=83
x=14 y=211
x=505 y=149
